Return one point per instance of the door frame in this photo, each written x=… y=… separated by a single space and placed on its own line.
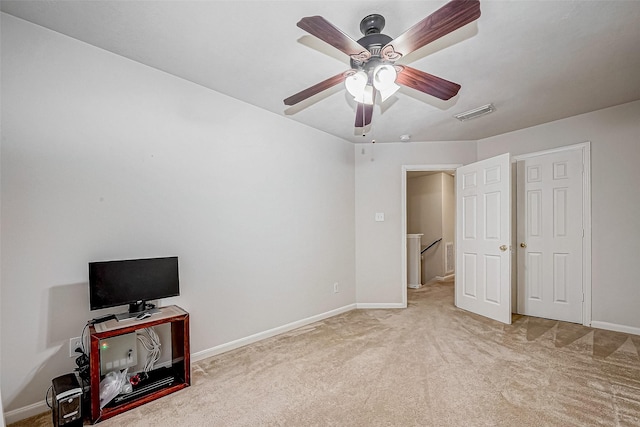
x=403 y=215
x=585 y=147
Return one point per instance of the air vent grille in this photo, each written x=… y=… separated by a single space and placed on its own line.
x=476 y=112
x=450 y=258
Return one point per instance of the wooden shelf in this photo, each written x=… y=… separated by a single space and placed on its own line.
x=180 y=358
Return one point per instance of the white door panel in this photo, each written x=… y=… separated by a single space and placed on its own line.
x=483 y=235
x=550 y=236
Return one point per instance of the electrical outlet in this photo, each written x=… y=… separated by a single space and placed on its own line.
x=73 y=344
x=335 y=288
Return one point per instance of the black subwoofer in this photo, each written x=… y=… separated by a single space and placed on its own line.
x=67 y=401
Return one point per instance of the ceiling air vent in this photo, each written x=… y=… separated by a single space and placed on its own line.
x=476 y=112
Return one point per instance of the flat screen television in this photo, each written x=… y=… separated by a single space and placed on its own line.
x=133 y=282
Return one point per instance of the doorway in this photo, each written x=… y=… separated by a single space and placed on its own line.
x=438 y=261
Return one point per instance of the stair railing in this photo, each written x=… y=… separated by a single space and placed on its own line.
x=428 y=247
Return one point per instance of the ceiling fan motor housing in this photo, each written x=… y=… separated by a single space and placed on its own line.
x=373 y=41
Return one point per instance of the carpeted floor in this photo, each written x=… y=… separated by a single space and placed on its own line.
x=428 y=365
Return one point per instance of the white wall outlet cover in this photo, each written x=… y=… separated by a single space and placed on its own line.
x=73 y=344
x=379 y=216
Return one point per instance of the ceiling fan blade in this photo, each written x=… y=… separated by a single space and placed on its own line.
x=448 y=18
x=325 y=31
x=364 y=112
x=427 y=83
x=315 y=89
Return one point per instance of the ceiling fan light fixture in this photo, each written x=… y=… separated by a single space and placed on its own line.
x=355 y=83
x=358 y=86
x=387 y=92
x=384 y=80
x=384 y=77
x=476 y=112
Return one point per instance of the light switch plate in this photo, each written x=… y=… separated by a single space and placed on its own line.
x=379 y=216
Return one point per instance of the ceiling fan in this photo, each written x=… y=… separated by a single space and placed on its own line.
x=373 y=56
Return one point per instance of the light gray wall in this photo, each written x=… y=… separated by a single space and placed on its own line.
x=615 y=202
x=378 y=189
x=104 y=158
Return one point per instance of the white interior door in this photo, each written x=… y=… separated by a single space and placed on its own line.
x=483 y=238
x=550 y=236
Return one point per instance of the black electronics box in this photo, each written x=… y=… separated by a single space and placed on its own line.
x=67 y=401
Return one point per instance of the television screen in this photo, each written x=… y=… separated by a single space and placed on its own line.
x=133 y=282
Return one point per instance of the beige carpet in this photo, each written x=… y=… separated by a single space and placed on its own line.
x=428 y=365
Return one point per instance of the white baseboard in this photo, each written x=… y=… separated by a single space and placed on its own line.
x=374 y=305
x=615 y=327
x=223 y=348
x=445 y=278
x=16 y=415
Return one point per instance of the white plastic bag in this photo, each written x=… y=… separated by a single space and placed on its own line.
x=111 y=385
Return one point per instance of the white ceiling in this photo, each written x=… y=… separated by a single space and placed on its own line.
x=536 y=61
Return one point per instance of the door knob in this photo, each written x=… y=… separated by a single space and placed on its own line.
x=523 y=245
x=503 y=248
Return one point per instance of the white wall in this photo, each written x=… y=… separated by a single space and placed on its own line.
x=104 y=158
x=378 y=189
x=615 y=173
